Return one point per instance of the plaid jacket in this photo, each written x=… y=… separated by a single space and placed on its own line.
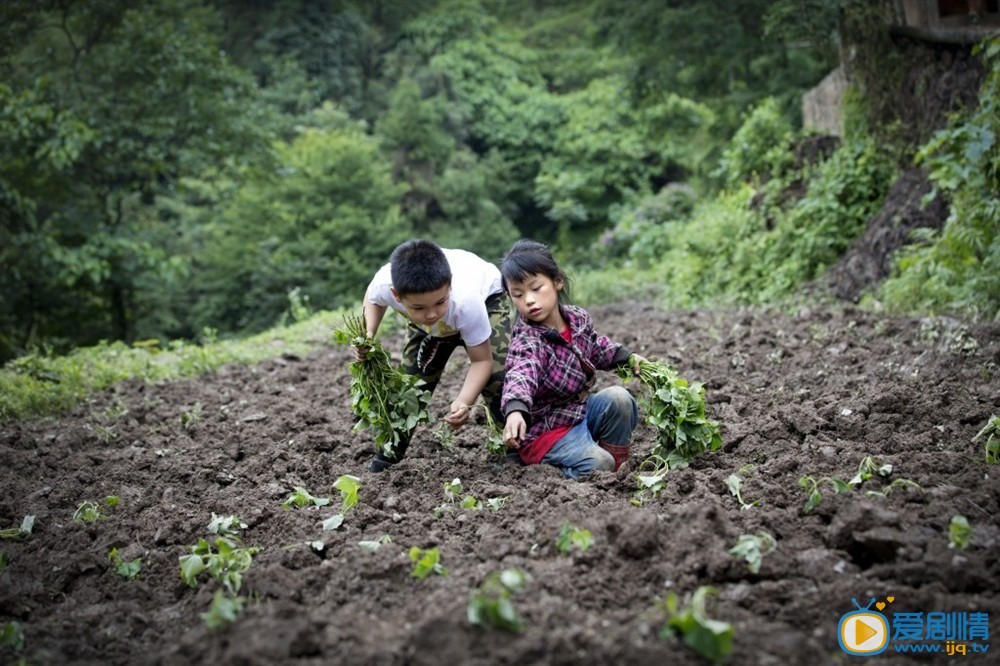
x=547 y=378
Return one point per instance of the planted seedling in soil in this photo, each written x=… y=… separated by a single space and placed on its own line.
x=753 y=548
x=373 y=546
x=301 y=497
x=453 y=493
x=426 y=562
x=348 y=486
x=445 y=435
x=571 y=536
x=226 y=564
x=494 y=434
x=27 y=523
x=387 y=402
x=223 y=610
x=12 y=636
x=496 y=503
x=992 y=433
x=712 y=639
x=225 y=525
x=490 y=603
x=190 y=418
x=316 y=546
x=900 y=484
x=677 y=410
x=127 y=570
x=868 y=468
x=959 y=532
x=735 y=485
x=89 y=512
x=813 y=494
x=649 y=486
x=453 y=489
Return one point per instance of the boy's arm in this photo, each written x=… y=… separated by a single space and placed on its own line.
x=478 y=375
x=373 y=317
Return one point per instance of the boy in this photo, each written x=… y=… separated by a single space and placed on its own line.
x=451 y=298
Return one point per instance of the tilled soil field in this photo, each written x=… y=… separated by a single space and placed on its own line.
x=807 y=394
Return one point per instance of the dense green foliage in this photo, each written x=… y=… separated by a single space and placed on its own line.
x=958 y=270
x=751 y=243
x=180 y=165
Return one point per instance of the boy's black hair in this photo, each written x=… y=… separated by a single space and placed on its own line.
x=527 y=257
x=418 y=266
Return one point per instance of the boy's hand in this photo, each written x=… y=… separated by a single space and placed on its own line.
x=513 y=430
x=360 y=353
x=635 y=360
x=459 y=414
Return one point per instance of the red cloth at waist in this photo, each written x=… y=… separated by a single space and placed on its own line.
x=533 y=453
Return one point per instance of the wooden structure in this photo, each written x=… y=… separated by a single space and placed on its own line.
x=960 y=22
x=948 y=21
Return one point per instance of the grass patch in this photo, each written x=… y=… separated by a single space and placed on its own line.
x=40 y=385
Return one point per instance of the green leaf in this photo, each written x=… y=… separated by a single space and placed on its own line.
x=712 y=639
x=224 y=610
x=571 y=537
x=840 y=487
x=348 y=486
x=333 y=522
x=191 y=566
x=12 y=636
x=959 y=532
x=426 y=562
x=490 y=603
x=301 y=497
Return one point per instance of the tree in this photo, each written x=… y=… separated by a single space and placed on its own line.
x=322 y=221
x=155 y=99
x=728 y=55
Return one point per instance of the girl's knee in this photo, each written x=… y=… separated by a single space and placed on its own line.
x=620 y=402
x=620 y=396
x=596 y=460
x=605 y=461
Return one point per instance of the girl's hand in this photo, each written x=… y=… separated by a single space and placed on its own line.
x=513 y=430
x=360 y=353
x=459 y=414
x=635 y=360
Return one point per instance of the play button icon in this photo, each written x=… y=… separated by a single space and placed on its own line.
x=863 y=633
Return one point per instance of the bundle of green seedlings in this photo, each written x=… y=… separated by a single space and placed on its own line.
x=387 y=402
x=677 y=410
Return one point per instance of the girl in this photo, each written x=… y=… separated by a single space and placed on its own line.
x=550 y=367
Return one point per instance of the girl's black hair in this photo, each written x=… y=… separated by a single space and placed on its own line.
x=526 y=258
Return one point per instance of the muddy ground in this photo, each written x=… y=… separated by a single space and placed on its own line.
x=806 y=394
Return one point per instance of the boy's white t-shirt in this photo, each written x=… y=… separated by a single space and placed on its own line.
x=473 y=280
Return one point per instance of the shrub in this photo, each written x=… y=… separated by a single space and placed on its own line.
x=957 y=270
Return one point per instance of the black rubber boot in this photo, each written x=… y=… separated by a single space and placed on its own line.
x=380 y=462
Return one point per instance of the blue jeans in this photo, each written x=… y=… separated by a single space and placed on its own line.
x=610 y=418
